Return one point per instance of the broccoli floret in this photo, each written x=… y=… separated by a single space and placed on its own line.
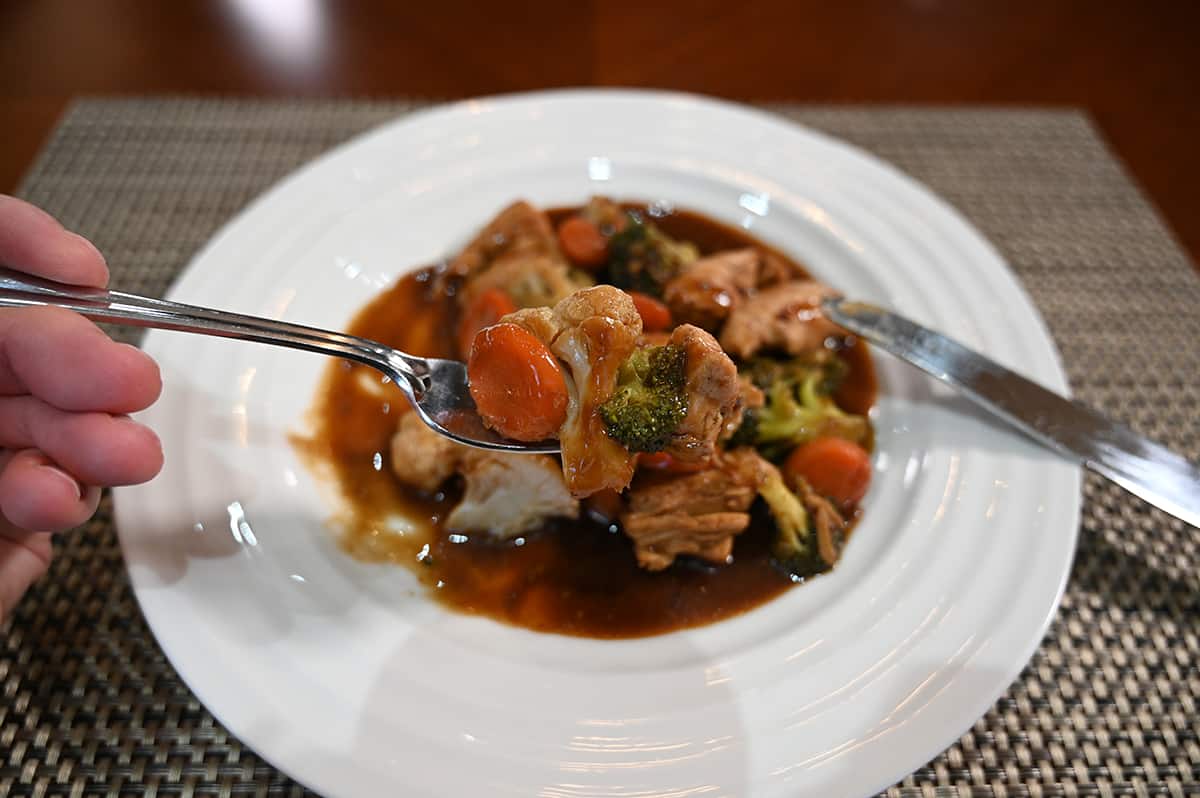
x=795 y=545
x=798 y=405
x=649 y=401
x=643 y=258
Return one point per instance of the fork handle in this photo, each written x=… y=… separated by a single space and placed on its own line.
x=22 y=290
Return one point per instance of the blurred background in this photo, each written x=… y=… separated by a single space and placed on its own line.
x=1134 y=66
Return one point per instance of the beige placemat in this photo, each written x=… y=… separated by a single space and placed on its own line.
x=1108 y=705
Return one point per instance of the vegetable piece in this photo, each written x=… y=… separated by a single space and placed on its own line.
x=798 y=406
x=643 y=258
x=582 y=242
x=649 y=401
x=484 y=311
x=661 y=461
x=834 y=467
x=517 y=384
x=656 y=316
x=592 y=332
x=795 y=545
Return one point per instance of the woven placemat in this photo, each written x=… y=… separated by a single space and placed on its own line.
x=1107 y=706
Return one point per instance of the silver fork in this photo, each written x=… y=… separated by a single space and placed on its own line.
x=435 y=387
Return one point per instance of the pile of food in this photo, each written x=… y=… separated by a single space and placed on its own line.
x=696 y=390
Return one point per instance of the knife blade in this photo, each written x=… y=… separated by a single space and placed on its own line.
x=1144 y=468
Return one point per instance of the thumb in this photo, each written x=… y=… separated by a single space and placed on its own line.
x=24 y=556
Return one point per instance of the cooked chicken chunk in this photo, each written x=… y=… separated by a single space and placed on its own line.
x=713 y=395
x=592 y=331
x=697 y=514
x=517 y=252
x=421 y=457
x=786 y=316
x=508 y=494
x=707 y=290
x=520 y=230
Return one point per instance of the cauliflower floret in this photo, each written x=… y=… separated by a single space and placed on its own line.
x=508 y=494
x=530 y=280
x=592 y=331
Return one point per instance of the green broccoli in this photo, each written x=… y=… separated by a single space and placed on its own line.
x=643 y=258
x=649 y=402
x=795 y=547
x=799 y=406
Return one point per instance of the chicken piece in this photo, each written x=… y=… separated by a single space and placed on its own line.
x=592 y=331
x=697 y=514
x=713 y=395
x=786 y=316
x=518 y=231
x=508 y=494
x=706 y=290
x=773 y=269
x=421 y=457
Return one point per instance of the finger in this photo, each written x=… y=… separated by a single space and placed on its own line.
x=63 y=358
x=33 y=241
x=95 y=448
x=24 y=556
x=37 y=494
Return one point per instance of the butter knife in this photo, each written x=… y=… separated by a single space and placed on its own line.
x=1140 y=466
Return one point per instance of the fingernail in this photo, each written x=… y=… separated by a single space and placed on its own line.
x=48 y=465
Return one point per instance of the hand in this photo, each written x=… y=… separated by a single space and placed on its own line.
x=65 y=388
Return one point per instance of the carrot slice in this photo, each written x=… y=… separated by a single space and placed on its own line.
x=834 y=467
x=582 y=242
x=655 y=315
x=484 y=311
x=517 y=383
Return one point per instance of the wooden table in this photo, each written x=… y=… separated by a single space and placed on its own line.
x=1134 y=66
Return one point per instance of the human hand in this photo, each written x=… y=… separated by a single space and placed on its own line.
x=65 y=388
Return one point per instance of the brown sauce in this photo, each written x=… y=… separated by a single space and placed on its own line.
x=575 y=577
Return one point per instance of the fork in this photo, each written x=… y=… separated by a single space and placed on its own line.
x=436 y=388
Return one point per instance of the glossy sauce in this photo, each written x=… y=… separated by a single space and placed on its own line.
x=575 y=577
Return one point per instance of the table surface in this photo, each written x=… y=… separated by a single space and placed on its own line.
x=1107 y=706
x=1131 y=66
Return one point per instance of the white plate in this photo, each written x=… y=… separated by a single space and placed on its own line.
x=346 y=677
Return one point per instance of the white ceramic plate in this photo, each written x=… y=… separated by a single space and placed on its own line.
x=345 y=676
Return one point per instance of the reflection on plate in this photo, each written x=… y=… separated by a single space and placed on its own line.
x=345 y=676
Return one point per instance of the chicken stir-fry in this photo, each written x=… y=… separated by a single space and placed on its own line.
x=683 y=387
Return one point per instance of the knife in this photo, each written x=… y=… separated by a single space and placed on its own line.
x=1140 y=466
